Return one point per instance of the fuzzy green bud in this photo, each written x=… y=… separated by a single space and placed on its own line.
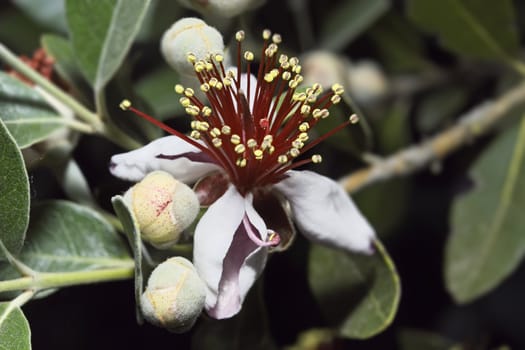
x=174 y=296
x=164 y=208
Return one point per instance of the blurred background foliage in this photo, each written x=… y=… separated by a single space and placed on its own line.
x=454 y=231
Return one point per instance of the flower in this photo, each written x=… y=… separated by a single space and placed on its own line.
x=244 y=147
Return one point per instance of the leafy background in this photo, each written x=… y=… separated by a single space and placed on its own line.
x=454 y=232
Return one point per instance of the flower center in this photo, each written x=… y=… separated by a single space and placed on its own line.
x=256 y=128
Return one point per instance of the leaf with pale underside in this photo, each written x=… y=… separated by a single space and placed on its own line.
x=358 y=294
x=14 y=194
x=487 y=242
x=25 y=112
x=132 y=230
x=14 y=328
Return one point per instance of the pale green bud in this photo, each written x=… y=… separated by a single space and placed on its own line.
x=174 y=296
x=190 y=36
x=164 y=208
x=368 y=82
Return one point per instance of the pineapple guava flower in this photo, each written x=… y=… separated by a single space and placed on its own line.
x=247 y=140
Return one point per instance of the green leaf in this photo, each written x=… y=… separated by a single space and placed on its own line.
x=439 y=107
x=51 y=15
x=487 y=241
x=131 y=228
x=415 y=339
x=25 y=112
x=102 y=33
x=348 y=20
x=60 y=49
x=358 y=294
x=14 y=194
x=64 y=236
x=14 y=328
x=474 y=28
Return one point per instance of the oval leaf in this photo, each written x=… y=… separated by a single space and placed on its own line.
x=131 y=228
x=25 y=112
x=475 y=28
x=14 y=328
x=64 y=236
x=487 y=241
x=349 y=19
x=14 y=194
x=102 y=33
x=358 y=294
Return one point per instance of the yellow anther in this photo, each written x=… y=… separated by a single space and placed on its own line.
x=297 y=69
x=239 y=36
x=215 y=132
x=217 y=142
x=317 y=88
x=325 y=113
x=179 y=88
x=276 y=38
x=335 y=99
x=241 y=162
x=191 y=57
x=293 y=61
x=205 y=87
x=195 y=134
x=286 y=75
x=213 y=82
x=282 y=159
x=203 y=126
x=297 y=144
x=268 y=77
x=189 y=92
x=219 y=58
x=219 y=85
x=194 y=124
x=209 y=66
x=316 y=158
x=268 y=138
x=199 y=67
x=305 y=109
x=226 y=130
x=125 y=104
x=235 y=139
x=240 y=148
x=258 y=154
x=311 y=98
x=354 y=118
x=271 y=149
x=248 y=56
x=298 y=78
x=266 y=34
x=301 y=96
x=316 y=113
x=251 y=143
x=294 y=152
x=292 y=84
x=303 y=137
x=304 y=126
x=338 y=89
x=192 y=110
x=206 y=111
x=227 y=81
x=285 y=65
x=283 y=58
x=184 y=101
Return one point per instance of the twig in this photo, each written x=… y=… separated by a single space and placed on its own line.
x=473 y=124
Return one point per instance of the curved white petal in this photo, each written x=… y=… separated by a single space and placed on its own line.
x=134 y=165
x=325 y=213
x=213 y=237
x=241 y=266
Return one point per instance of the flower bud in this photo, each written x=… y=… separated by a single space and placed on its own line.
x=368 y=82
x=325 y=68
x=163 y=207
x=174 y=296
x=190 y=35
x=221 y=8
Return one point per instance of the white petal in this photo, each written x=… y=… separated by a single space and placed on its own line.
x=250 y=96
x=325 y=213
x=134 y=165
x=213 y=237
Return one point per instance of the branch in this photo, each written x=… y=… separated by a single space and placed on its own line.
x=479 y=121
